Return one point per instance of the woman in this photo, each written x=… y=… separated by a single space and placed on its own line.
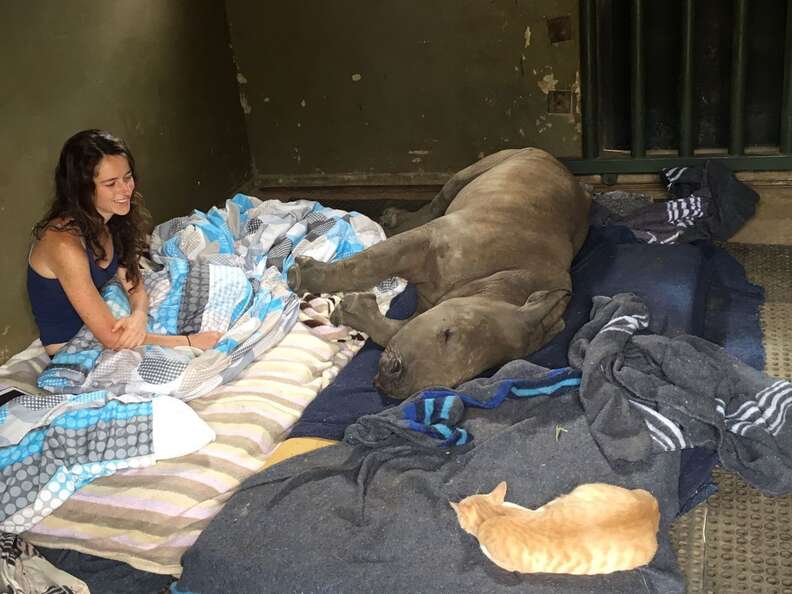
x=95 y=230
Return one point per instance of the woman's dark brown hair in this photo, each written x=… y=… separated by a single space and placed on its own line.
x=74 y=201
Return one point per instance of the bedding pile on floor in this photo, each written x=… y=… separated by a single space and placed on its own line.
x=379 y=499
x=223 y=270
x=149 y=517
x=374 y=509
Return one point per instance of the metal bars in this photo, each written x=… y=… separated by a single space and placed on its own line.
x=638 y=88
x=588 y=66
x=739 y=63
x=686 y=82
x=594 y=161
x=786 y=105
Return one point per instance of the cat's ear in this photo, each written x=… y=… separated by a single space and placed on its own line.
x=499 y=492
x=454 y=505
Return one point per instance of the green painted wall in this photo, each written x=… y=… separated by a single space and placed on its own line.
x=408 y=86
x=159 y=73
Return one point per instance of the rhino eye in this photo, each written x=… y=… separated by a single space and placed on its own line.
x=447 y=333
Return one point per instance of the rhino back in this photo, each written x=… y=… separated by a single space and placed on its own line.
x=526 y=212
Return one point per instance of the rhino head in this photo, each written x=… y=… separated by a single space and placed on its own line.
x=459 y=338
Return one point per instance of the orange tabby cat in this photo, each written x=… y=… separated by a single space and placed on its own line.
x=597 y=528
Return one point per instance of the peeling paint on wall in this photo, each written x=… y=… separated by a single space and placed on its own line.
x=243 y=101
x=5 y=351
x=527 y=36
x=576 y=93
x=547 y=83
x=303 y=103
x=241 y=81
x=542 y=125
x=421 y=152
x=357 y=77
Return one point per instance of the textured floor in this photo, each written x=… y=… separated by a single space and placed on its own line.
x=740 y=541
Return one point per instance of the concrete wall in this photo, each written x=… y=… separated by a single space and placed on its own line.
x=370 y=87
x=157 y=73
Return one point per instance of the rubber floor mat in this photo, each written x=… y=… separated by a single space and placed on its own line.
x=740 y=541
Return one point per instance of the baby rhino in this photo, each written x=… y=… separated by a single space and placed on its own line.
x=489 y=257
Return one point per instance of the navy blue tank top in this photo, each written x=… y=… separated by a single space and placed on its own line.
x=55 y=316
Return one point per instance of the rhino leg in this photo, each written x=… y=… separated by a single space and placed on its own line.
x=404 y=256
x=397 y=220
x=360 y=311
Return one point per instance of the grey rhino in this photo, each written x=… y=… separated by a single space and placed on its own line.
x=489 y=256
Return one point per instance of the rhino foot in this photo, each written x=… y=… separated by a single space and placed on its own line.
x=393 y=217
x=356 y=310
x=305 y=276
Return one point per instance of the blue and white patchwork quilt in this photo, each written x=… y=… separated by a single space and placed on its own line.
x=224 y=271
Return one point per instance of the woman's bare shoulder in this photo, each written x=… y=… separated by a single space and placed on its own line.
x=56 y=243
x=59 y=235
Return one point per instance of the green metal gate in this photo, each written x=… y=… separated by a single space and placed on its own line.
x=638 y=159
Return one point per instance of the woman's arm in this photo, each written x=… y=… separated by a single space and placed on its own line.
x=66 y=258
x=132 y=328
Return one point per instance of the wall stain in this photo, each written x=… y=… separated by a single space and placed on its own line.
x=243 y=101
x=242 y=81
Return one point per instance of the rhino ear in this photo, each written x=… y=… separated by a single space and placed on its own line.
x=543 y=313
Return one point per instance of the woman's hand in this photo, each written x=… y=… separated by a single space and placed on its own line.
x=130 y=330
x=204 y=340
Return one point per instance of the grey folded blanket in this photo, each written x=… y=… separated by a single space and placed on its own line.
x=648 y=393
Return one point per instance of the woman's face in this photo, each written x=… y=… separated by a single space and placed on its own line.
x=113 y=186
